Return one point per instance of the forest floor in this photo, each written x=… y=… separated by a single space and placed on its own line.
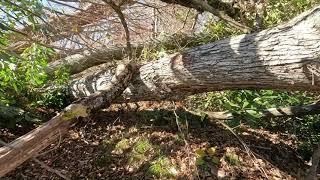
x=158 y=141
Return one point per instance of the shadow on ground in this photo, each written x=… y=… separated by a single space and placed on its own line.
x=107 y=146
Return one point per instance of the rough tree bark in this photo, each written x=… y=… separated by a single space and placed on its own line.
x=286 y=57
x=32 y=143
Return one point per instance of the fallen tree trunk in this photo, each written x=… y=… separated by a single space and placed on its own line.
x=271 y=112
x=285 y=57
x=32 y=143
x=81 y=61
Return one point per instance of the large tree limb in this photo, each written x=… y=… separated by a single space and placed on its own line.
x=32 y=143
x=285 y=57
x=271 y=112
x=81 y=61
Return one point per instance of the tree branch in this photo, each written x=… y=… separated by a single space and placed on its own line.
x=117 y=9
x=222 y=15
x=39 y=162
x=284 y=58
x=272 y=112
x=86 y=59
x=226 y=11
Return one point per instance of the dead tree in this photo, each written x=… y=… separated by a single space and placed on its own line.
x=285 y=57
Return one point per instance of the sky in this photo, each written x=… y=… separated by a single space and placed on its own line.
x=59 y=7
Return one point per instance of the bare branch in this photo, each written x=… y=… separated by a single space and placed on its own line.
x=222 y=15
x=117 y=9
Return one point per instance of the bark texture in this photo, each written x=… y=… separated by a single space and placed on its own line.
x=32 y=143
x=286 y=57
x=81 y=61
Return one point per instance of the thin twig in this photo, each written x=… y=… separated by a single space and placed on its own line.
x=247 y=149
x=48 y=168
x=184 y=21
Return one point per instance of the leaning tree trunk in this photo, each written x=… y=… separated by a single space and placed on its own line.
x=32 y=143
x=286 y=57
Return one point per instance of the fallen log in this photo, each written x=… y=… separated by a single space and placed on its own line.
x=267 y=113
x=33 y=142
x=285 y=57
x=81 y=61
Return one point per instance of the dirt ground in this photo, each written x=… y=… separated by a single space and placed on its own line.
x=156 y=142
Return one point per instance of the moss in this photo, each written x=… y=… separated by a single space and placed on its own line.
x=162 y=167
x=142 y=146
x=140 y=152
x=121 y=146
x=73 y=111
x=232 y=158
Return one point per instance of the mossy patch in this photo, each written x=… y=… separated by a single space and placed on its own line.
x=162 y=167
x=140 y=152
x=232 y=158
x=121 y=146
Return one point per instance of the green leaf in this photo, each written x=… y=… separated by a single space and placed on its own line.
x=245 y=104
